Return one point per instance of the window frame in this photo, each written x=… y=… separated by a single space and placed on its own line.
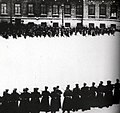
x=3 y=11
x=18 y=9
x=28 y=11
x=55 y=14
x=80 y=10
x=100 y=10
x=111 y=11
x=44 y=9
x=90 y=14
x=66 y=10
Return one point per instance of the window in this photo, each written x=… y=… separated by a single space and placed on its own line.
x=113 y=26
x=113 y=13
x=102 y=9
x=30 y=9
x=102 y=25
x=67 y=24
x=67 y=10
x=55 y=24
x=91 y=10
x=17 y=9
x=55 y=10
x=79 y=9
x=3 y=8
x=43 y=9
x=91 y=25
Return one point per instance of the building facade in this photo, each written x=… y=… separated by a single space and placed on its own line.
x=101 y=13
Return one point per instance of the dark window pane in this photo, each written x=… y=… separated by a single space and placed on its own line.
x=102 y=9
x=79 y=9
x=91 y=10
x=67 y=9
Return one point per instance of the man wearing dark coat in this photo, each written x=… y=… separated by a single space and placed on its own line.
x=93 y=95
x=85 y=97
x=117 y=92
x=76 y=98
x=59 y=92
x=6 y=102
x=54 y=101
x=67 y=102
x=14 y=101
x=25 y=101
x=100 y=95
x=35 y=101
x=108 y=94
x=45 y=100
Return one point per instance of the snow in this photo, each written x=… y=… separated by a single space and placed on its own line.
x=37 y=62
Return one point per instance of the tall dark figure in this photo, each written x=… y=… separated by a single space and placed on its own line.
x=108 y=94
x=93 y=95
x=67 y=102
x=25 y=101
x=76 y=98
x=85 y=97
x=100 y=95
x=15 y=97
x=54 y=101
x=45 y=100
x=59 y=92
x=117 y=92
x=6 y=102
x=35 y=101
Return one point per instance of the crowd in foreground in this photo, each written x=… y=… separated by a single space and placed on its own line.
x=34 y=30
x=74 y=99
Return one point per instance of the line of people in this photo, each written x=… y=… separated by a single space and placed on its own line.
x=34 y=30
x=77 y=99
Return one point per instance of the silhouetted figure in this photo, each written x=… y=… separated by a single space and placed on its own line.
x=1 y=104
x=14 y=101
x=108 y=94
x=35 y=101
x=117 y=92
x=76 y=98
x=45 y=100
x=25 y=101
x=59 y=92
x=54 y=101
x=85 y=97
x=67 y=102
x=100 y=95
x=6 y=102
x=92 y=95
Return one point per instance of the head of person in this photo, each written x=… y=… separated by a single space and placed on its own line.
x=68 y=86
x=46 y=88
x=117 y=80
x=36 y=89
x=93 y=83
x=15 y=90
x=84 y=84
x=77 y=85
x=108 y=82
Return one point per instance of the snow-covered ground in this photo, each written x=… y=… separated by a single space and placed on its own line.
x=36 y=62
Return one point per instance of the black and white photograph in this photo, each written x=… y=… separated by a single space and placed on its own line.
x=59 y=56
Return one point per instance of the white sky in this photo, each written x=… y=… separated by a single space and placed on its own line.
x=36 y=62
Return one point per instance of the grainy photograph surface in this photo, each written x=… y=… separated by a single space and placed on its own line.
x=59 y=56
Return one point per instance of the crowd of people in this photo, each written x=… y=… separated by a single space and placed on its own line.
x=74 y=99
x=34 y=30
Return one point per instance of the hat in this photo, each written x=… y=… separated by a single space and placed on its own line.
x=6 y=90
x=77 y=84
x=25 y=89
x=36 y=89
x=46 y=87
x=15 y=89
